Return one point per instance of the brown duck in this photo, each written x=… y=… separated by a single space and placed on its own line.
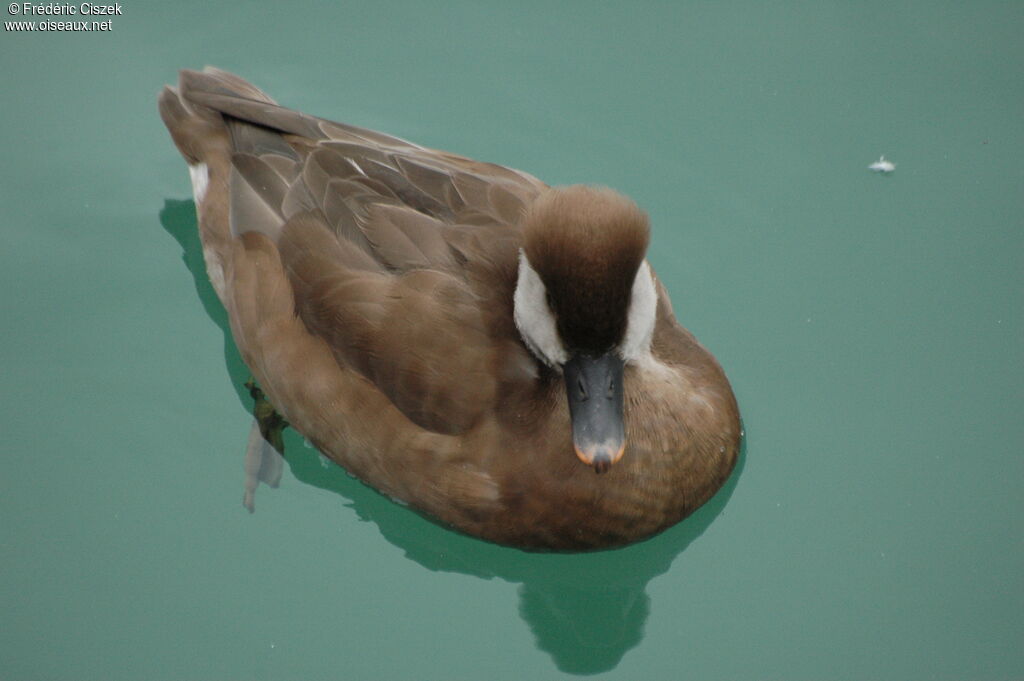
x=457 y=334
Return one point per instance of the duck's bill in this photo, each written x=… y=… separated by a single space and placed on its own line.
x=594 y=387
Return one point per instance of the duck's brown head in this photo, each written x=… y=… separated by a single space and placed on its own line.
x=585 y=304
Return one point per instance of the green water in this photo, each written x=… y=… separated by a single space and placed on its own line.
x=871 y=327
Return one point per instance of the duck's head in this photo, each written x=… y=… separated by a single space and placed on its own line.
x=585 y=305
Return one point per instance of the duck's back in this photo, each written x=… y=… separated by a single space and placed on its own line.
x=381 y=240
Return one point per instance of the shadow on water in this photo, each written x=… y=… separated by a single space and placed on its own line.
x=585 y=610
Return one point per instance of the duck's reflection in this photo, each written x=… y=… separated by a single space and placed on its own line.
x=585 y=610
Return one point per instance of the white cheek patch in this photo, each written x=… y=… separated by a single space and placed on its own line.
x=643 y=306
x=534 y=318
x=200 y=175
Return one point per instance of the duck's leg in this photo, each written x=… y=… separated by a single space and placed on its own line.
x=264 y=455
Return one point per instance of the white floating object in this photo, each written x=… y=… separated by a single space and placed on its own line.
x=882 y=166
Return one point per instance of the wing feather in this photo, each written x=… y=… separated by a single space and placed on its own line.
x=401 y=258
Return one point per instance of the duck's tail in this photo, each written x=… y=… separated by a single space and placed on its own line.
x=198 y=129
x=207 y=118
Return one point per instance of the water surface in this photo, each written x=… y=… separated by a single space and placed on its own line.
x=871 y=327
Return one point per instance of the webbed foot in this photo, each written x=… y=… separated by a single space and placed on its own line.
x=264 y=454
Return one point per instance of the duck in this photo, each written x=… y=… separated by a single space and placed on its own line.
x=494 y=352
